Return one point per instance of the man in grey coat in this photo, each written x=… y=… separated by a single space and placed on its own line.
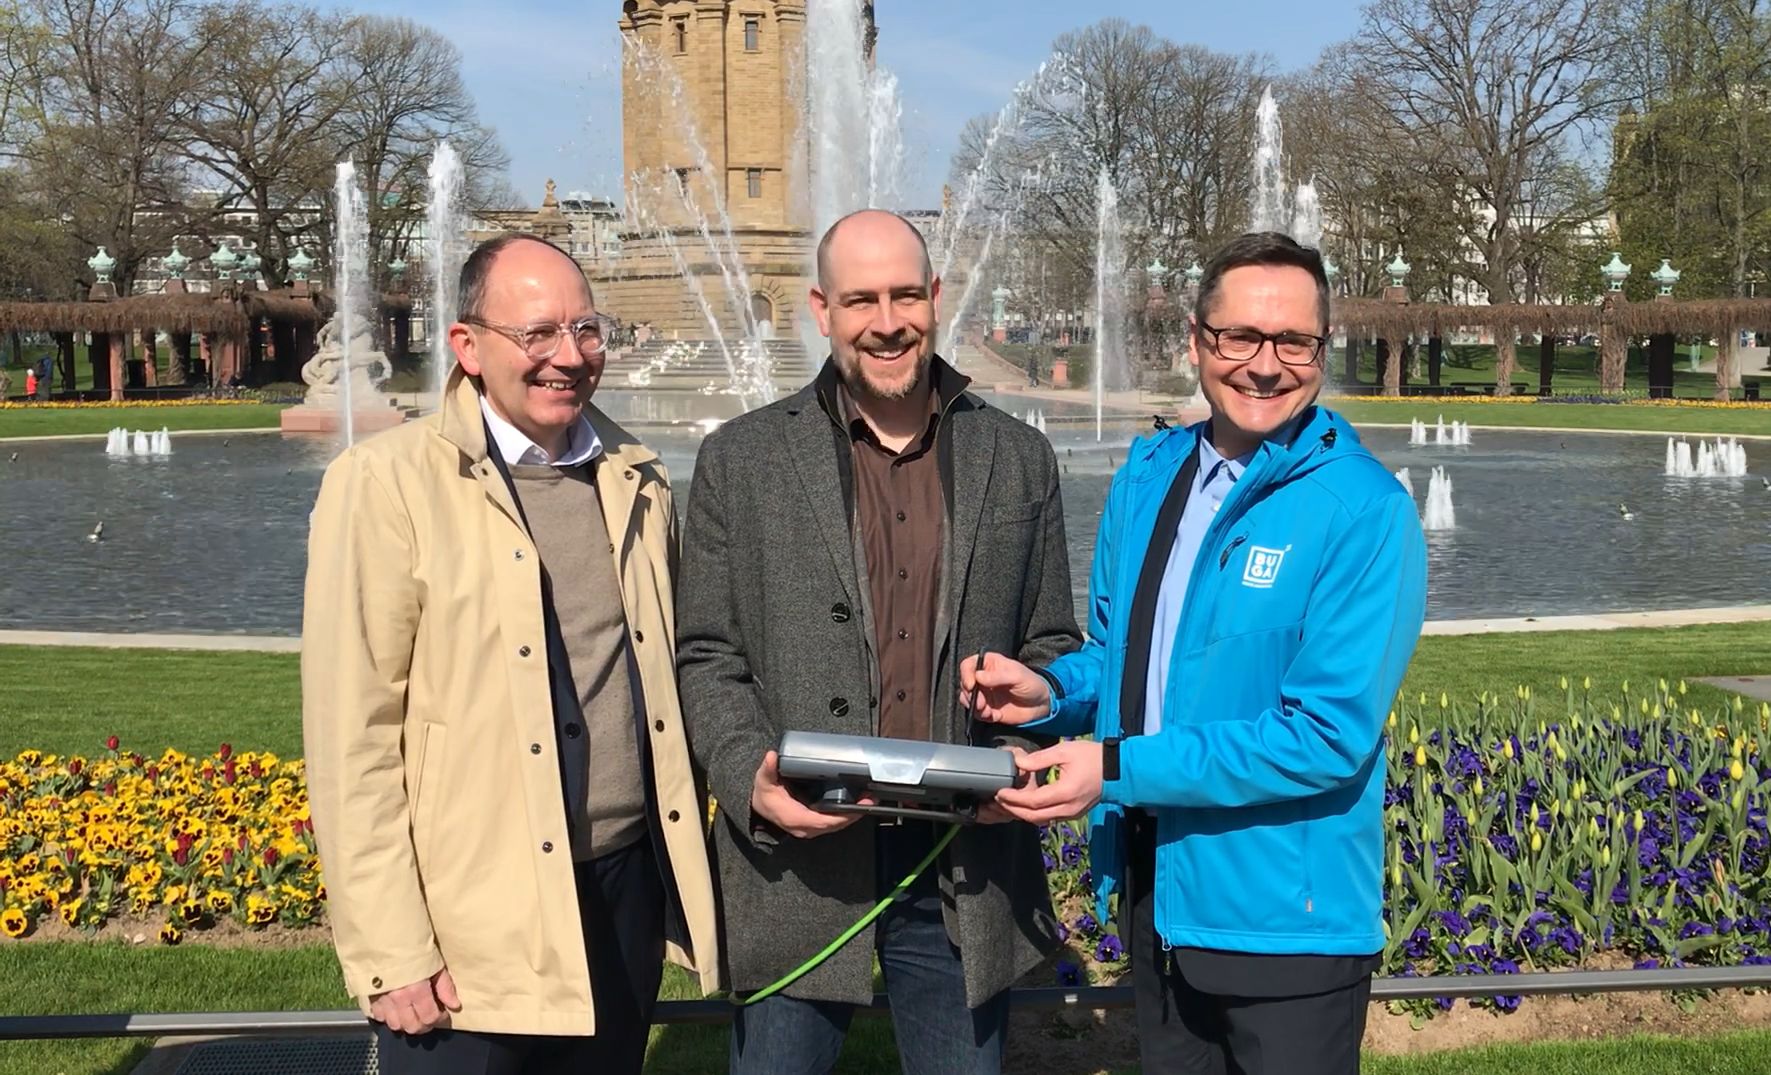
x=846 y=550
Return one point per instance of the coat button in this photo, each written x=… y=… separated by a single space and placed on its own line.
x=657 y=725
x=519 y=554
x=572 y=731
x=547 y=847
x=839 y=612
x=376 y=982
x=873 y=702
x=522 y=651
x=674 y=816
x=839 y=707
x=639 y=636
x=630 y=475
x=534 y=748
x=902 y=634
x=900 y=696
x=900 y=516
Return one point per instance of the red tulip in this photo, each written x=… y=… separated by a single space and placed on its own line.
x=111 y=743
x=226 y=751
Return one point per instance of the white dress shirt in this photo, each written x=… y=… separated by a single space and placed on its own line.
x=582 y=443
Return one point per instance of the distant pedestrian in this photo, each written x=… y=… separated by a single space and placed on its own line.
x=1032 y=369
x=30 y=384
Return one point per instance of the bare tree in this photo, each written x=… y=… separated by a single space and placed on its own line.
x=1496 y=89
x=404 y=94
x=262 y=128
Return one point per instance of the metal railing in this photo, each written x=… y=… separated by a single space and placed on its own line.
x=708 y=1012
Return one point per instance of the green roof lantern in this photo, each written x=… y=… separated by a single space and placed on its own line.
x=1665 y=276
x=1194 y=273
x=300 y=264
x=1615 y=272
x=1398 y=270
x=101 y=265
x=397 y=267
x=1157 y=270
x=1331 y=270
x=175 y=263
x=223 y=261
x=249 y=263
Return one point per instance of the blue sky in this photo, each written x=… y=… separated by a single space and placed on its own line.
x=546 y=73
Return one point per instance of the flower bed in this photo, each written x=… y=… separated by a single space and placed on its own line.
x=194 y=842
x=124 y=404
x=1613 y=831
x=1624 y=831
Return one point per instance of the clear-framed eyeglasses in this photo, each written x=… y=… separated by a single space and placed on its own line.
x=542 y=340
x=1239 y=344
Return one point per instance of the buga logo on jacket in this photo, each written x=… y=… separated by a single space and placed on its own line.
x=1266 y=778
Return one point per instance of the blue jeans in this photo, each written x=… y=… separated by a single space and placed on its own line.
x=937 y=1034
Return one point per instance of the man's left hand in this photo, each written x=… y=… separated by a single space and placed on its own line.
x=1075 y=791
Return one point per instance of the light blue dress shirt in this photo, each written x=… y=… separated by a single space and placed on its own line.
x=1211 y=487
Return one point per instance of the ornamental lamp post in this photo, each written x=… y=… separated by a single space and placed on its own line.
x=300 y=264
x=223 y=261
x=1194 y=274
x=1665 y=276
x=249 y=263
x=397 y=269
x=1332 y=271
x=175 y=264
x=1398 y=270
x=1615 y=272
x=101 y=265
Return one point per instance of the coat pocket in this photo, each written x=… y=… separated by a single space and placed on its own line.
x=426 y=791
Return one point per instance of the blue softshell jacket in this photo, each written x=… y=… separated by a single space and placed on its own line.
x=1266 y=779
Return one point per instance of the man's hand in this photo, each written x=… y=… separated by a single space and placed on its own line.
x=770 y=798
x=419 y=1007
x=1004 y=691
x=1073 y=794
x=992 y=813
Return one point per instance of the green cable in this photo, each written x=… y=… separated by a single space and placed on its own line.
x=866 y=920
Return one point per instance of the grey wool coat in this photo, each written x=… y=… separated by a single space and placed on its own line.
x=775 y=633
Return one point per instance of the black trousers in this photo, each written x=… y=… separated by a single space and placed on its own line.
x=621 y=903
x=1187 y=1030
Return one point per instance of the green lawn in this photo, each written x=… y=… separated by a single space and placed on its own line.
x=67 y=700
x=1747 y=1053
x=60 y=977
x=55 y=421
x=1601 y=416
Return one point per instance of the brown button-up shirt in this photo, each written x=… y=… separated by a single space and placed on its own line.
x=901 y=514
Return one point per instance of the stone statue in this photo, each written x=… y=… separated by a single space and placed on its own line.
x=369 y=368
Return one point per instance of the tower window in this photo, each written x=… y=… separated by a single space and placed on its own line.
x=682 y=180
x=753 y=178
x=752 y=32
x=681 y=29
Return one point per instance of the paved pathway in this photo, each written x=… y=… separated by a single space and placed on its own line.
x=1598 y=621
x=1758 y=687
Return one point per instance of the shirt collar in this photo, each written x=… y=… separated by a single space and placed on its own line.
x=1210 y=458
x=515 y=447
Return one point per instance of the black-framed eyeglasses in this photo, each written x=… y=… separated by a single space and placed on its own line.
x=541 y=341
x=1239 y=344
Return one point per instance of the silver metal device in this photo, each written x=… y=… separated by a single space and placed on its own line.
x=904 y=777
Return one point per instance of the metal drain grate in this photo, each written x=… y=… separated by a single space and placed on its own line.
x=354 y=1055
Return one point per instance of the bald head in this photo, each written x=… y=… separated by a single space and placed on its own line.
x=878 y=230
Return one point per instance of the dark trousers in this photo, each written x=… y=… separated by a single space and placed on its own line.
x=621 y=904
x=1185 y=1030
x=937 y=1034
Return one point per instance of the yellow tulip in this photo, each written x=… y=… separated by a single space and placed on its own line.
x=1672 y=778
x=1392 y=720
x=1537 y=841
x=1420 y=759
x=1681 y=686
x=1444 y=701
x=1605 y=855
x=1586 y=683
x=1506 y=747
x=1477 y=788
x=1737 y=771
x=1563 y=682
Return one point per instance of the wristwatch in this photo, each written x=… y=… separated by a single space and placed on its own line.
x=1110 y=758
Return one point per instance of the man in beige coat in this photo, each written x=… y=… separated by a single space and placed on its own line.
x=511 y=832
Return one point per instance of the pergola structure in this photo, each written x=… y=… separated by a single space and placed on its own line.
x=241 y=336
x=1397 y=325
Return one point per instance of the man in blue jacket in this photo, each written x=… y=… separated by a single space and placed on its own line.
x=1258 y=587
